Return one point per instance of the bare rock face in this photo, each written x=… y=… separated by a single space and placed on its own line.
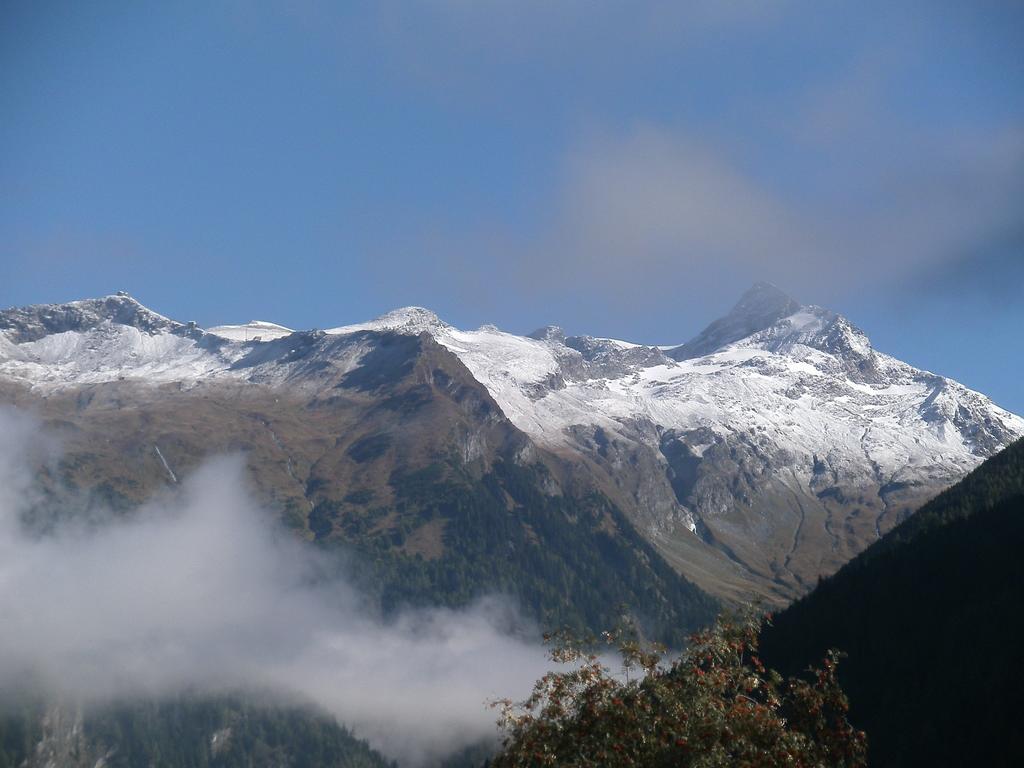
x=759 y=455
x=759 y=308
x=62 y=743
x=35 y=322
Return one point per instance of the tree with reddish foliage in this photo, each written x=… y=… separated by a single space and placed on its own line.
x=716 y=705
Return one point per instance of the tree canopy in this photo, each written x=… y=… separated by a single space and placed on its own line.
x=715 y=705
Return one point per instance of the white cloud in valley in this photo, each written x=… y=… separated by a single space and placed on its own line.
x=200 y=592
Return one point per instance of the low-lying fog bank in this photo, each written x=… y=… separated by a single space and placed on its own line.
x=200 y=591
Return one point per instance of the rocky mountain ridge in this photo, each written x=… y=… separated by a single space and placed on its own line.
x=763 y=453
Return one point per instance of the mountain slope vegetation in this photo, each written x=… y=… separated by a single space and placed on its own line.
x=400 y=461
x=570 y=561
x=767 y=451
x=180 y=732
x=930 y=619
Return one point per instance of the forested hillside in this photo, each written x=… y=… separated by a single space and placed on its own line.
x=930 y=619
x=568 y=561
x=181 y=732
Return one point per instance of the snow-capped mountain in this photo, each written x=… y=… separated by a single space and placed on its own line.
x=767 y=450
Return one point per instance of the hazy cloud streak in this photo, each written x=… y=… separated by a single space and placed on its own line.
x=645 y=214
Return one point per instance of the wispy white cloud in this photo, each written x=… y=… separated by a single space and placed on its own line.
x=199 y=593
x=641 y=214
x=652 y=204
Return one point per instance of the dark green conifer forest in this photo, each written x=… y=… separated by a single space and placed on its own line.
x=930 y=620
x=190 y=731
x=567 y=561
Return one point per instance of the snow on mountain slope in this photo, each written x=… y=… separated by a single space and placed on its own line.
x=106 y=352
x=760 y=307
x=810 y=379
x=254 y=330
x=413 y=320
x=51 y=347
x=778 y=437
x=790 y=445
x=21 y=324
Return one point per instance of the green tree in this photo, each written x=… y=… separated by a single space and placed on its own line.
x=715 y=705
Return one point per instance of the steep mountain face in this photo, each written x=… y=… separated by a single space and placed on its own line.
x=929 y=619
x=33 y=323
x=371 y=440
x=758 y=466
x=758 y=456
x=759 y=308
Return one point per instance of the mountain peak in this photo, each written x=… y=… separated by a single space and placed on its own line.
x=407 y=320
x=548 y=333
x=38 y=320
x=764 y=294
x=411 y=314
x=763 y=305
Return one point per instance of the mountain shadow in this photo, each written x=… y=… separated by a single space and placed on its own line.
x=930 y=619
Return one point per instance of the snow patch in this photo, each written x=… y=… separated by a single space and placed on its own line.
x=255 y=330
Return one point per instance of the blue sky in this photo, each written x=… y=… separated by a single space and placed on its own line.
x=622 y=169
